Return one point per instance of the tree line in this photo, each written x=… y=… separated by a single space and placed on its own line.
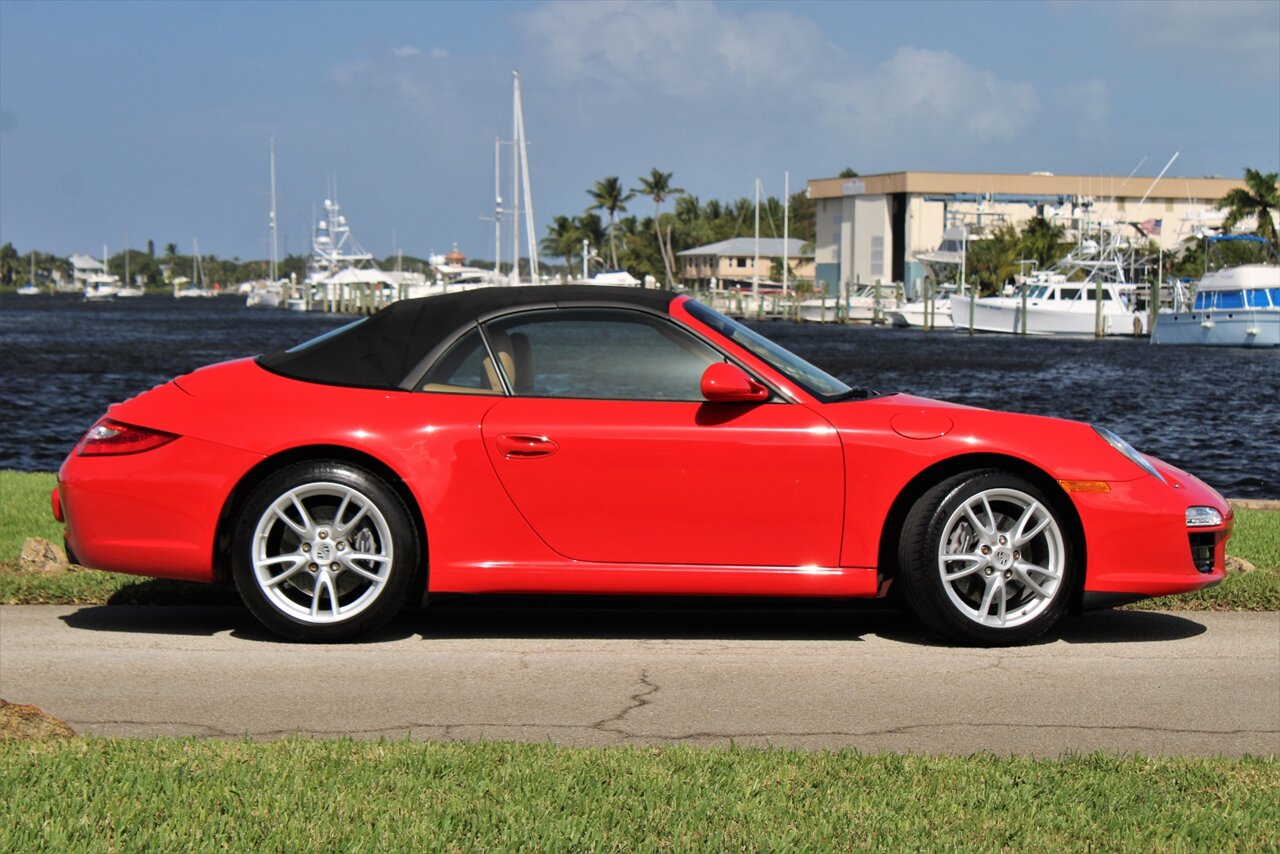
x=648 y=245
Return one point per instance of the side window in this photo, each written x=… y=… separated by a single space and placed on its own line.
x=601 y=354
x=465 y=368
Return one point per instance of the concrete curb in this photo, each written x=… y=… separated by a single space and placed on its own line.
x=1254 y=503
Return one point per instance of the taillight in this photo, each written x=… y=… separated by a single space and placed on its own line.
x=107 y=438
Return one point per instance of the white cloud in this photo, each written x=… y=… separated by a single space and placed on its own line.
x=918 y=90
x=1230 y=39
x=758 y=67
x=405 y=52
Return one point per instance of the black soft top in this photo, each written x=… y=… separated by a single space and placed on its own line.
x=382 y=350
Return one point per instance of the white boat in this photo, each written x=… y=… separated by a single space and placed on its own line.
x=614 y=278
x=338 y=264
x=920 y=313
x=99 y=287
x=184 y=288
x=1232 y=307
x=864 y=305
x=99 y=284
x=30 y=289
x=265 y=293
x=1057 y=302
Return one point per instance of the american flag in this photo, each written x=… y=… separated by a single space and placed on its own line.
x=1151 y=226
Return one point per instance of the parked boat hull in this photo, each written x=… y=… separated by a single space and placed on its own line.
x=1260 y=328
x=1004 y=314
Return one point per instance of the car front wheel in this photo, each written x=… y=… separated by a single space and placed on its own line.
x=987 y=558
x=324 y=551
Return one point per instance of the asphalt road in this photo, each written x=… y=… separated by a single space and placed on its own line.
x=808 y=675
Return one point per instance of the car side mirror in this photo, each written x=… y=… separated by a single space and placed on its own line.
x=726 y=383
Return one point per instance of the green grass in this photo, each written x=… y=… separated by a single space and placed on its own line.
x=24 y=498
x=298 y=795
x=25 y=511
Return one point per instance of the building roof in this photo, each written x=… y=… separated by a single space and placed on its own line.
x=86 y=262
x=1036 y=183
x=770 y=247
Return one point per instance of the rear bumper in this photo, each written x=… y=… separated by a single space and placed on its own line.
x=153 y=513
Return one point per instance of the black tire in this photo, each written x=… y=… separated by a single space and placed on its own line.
x=1007 y=552
x=310 y=574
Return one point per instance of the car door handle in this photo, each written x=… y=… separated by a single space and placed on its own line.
x=521 y=446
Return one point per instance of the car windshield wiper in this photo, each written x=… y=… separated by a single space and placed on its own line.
x=855 y=393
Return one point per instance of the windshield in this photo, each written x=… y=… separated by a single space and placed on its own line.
x=817 y=382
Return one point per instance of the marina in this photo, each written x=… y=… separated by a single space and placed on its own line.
x=1207 y=409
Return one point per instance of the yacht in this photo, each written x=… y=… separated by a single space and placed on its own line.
x=1231 y=307
x=1065 y=299
x=99 y=287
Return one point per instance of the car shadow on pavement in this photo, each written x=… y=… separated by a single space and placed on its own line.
x=653 y=618
x=638 y=618
x=1128 y=627
x=574 y=617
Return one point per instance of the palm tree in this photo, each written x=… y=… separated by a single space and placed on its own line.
x=608 y=195
x=688 y=209
x=658 y=187
x=8 y=263
x=1041 y=240
x=563 y=239
x=1258 y=198
x=592 y=230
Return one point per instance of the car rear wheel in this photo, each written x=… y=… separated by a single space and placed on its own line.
x=987 y=558
x=324 y=551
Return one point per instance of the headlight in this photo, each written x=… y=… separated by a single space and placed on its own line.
x=1203 y=517
x=1129 y=451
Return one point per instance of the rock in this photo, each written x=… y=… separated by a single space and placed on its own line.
x=40 y=555
x=1238 y=564
x=29 y=722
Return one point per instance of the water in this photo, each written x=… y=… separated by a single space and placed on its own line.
x=1212 y=411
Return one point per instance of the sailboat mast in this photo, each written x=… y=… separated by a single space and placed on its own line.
x=515 y=180
x=275 y=258
x=786 y=227
x=497 y=207
x=523 y=149
x=755 y=266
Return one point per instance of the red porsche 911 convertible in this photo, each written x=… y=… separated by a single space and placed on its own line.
x=604 y=440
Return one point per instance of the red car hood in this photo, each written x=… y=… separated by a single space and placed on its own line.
x=930 y=431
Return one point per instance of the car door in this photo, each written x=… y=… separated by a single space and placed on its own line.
x=611 y=455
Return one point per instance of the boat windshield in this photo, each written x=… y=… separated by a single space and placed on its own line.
x=813 y=380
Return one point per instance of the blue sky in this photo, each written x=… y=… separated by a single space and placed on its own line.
x=155 y=117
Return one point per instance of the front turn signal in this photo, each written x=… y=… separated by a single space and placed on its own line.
x=1084 y=485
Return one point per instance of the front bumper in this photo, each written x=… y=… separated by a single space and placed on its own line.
x=1138 y=542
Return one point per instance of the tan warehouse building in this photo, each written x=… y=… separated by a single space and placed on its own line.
x=870 y=228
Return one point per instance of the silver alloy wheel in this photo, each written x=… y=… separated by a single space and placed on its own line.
x=322 y=552
x=1001 y=558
